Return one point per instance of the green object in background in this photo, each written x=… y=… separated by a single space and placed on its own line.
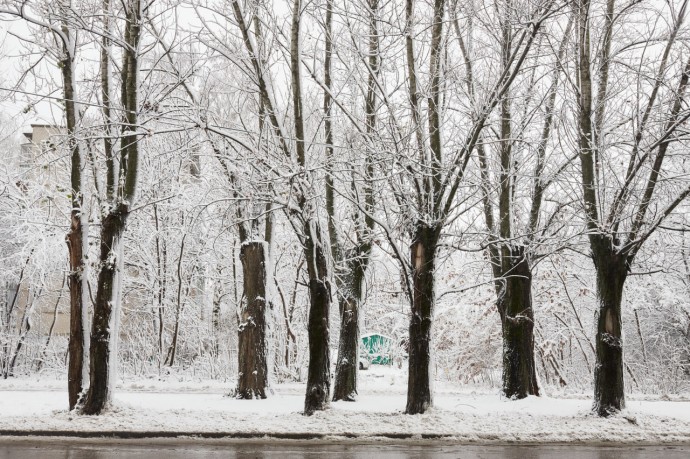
x=377 y=348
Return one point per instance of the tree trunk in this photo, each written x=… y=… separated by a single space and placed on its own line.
x=345 y=387
x=107 y=303
x=77 y=325
x=106 y=319
x=352 y=292
x=609 y=391
x=161 y=263
x=8 y=317
x=253 y=368
x=517 y=318
x=215 y=314
x=24 y=329
x=319 y=373
x=172 y=351
x=77 y=237
x=423 y=251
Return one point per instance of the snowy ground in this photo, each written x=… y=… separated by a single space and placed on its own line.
x=190 y=408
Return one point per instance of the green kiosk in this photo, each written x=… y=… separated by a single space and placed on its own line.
x=376 y=348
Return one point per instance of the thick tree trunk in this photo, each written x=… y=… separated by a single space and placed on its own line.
x=76 y=352
x=423 y=248
x=517 y=318
x=345 y=386
x=352 y=296
x=107 y=304
x=319 y=373
x=609 y=389
x=253 y=368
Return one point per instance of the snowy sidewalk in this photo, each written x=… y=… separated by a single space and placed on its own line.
x=459 y=417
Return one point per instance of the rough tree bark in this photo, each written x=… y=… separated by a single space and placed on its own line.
x=423 y=251
x=76 y=236
x=609 y=393
x=315 y=247
x=106 y=304
x=517 y=319
x=76 y=352
x=251 y=319
x=611 y=273
x=253 y=369
x=346 y=369
x=319 y=372
x=351 y=296
x=510 y=262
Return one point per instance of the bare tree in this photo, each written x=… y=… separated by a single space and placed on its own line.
x=623 y=207
x=515 y=237
x=105 y=326
x=352 y=259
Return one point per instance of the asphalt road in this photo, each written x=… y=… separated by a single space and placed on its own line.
x=156 y=449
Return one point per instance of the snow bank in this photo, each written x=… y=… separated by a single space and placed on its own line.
x=461 y=417
x=175 y=406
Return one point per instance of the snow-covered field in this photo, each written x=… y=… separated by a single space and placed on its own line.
x=461 y=414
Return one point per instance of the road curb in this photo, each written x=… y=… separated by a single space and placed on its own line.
x=135 y=435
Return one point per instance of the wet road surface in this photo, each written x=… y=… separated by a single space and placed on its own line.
x=152 y=449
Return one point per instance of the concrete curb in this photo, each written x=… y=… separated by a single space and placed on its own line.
x=134 y=435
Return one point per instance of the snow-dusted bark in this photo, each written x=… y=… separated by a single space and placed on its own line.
x=609 y=384
x=252 y=381
x=77 y=236
x=347 y=365
x=319 y=372
x=105 y=322
x=314 y=242
x=77 y=242
x=423 y=259
x=517 y=320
